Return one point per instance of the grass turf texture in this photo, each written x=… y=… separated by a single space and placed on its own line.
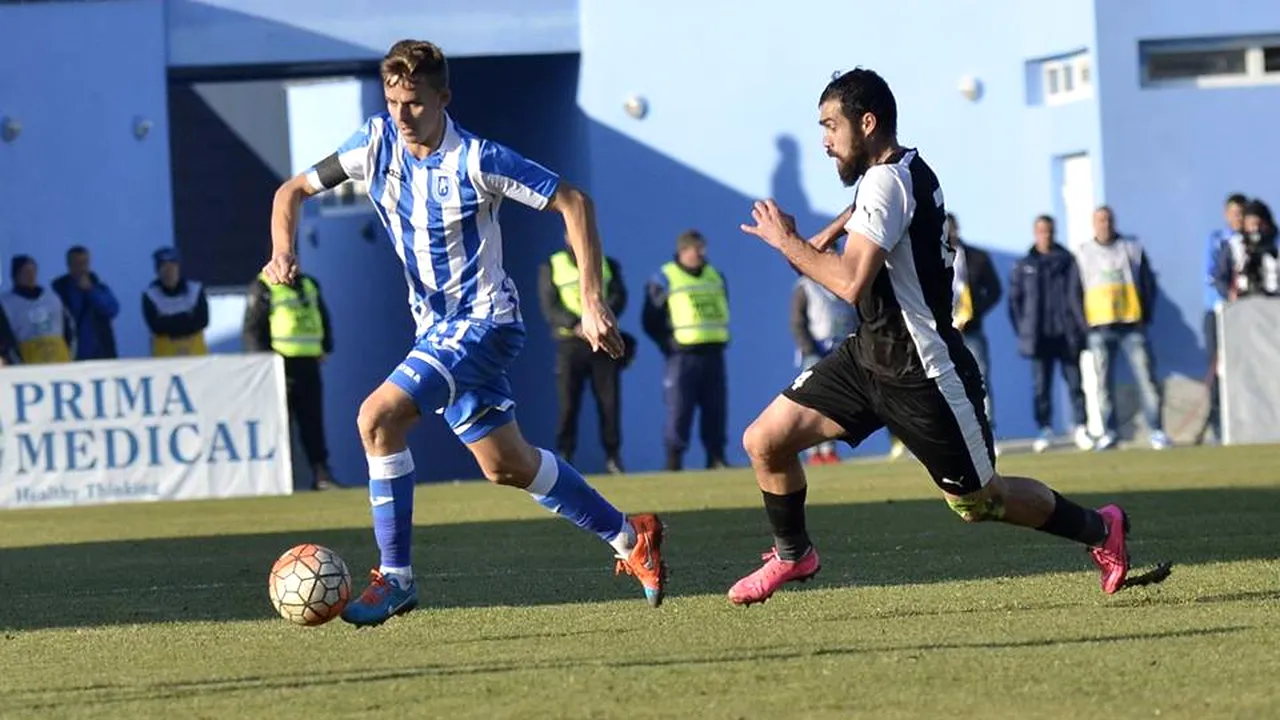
x=161 y=610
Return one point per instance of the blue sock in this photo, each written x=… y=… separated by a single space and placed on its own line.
x=391 y=496
x=561 y=489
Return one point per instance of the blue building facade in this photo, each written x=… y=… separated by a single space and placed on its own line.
x=1022 y=108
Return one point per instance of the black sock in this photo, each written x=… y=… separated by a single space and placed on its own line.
x=1073 y=522
x=786 y=516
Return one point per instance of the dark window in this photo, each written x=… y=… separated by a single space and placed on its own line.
x=1271 y=59
x=1195 y=63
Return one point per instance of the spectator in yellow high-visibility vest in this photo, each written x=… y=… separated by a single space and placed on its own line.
x=175 y=308
x=1119 y=294
x=42 y=330
x=560 y=297
x=292 y=320
x=687 y=314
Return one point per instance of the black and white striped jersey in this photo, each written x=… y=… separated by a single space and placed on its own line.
x=906 y=332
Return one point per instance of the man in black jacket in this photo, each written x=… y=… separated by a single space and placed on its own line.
x=292 y=320
x=1048 y=320
x=975 y=291
x=8 y=343
x=176 y=308
x=561 y=301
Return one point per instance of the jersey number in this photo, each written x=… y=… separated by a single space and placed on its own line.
x=948 y=252
x=800 y=379
x=454 y=341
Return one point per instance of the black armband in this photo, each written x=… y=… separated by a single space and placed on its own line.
x=330 y=172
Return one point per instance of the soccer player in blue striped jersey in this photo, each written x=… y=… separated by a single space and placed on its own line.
x=437 y=189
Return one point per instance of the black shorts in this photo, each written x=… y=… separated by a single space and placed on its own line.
x=940 y=420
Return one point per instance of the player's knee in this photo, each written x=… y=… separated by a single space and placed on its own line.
x=755 y=442
x=380 y=421
x=368 y=419
x=977 y=507
x=761 y=443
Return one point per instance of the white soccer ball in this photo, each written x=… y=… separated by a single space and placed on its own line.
x=309 y=585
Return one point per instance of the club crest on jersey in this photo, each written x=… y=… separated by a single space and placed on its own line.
x=442 y=188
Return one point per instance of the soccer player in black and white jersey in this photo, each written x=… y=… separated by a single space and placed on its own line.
x=906 y=368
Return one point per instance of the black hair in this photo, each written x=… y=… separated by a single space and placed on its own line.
x=1046 y=218
x=1237 y=199
x=76 y=250
x=17 y=262
x=1260 y=210
x=690 y=238
x=861 y=91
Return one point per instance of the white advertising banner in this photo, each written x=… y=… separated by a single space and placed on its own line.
x=108 y=431
x=1248 y=352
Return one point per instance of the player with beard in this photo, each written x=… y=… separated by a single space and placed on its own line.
x=906 y=368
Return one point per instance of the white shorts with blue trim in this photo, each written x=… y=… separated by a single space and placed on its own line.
x=459 y=369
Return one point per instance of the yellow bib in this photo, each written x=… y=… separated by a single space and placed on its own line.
x=697 y=305
x=566 y=278
x=1112 y=304
x=962 y=313
x=164 y=346
x=43 y=350
x=297 y=326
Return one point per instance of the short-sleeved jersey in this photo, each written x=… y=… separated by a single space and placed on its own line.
x=906 y=332
x=441 y=214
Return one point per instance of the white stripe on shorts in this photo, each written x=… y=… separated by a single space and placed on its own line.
x=952 y=389
x=444 y=372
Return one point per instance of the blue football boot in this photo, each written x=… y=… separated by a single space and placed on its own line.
x=383 y=599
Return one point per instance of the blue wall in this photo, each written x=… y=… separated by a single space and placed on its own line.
x=77 y=174
x=1173 y=154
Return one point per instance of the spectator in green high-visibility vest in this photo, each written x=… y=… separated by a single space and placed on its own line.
x=687 y=315
x=292 y=320
x=560 y=297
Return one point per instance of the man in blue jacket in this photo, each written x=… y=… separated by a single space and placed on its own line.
x=91 y=304
x=1048 y=321
x=1219 y=264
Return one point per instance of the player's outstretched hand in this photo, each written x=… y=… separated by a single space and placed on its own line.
x=772 y=224
x=282 y=269
x=600 y=329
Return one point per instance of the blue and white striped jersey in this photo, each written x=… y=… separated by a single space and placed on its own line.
x=441 y=214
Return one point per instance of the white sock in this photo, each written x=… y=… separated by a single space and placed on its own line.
x=625 y=541
x=402 y=577
x=545 y=479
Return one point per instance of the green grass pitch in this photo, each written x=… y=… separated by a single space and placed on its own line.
x=161 y=610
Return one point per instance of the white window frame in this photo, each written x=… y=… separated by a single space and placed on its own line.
x=351 y=196
x=1076 y=70
x=1255 y=72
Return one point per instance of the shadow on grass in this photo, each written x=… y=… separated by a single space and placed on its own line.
x=546 y=561
x=108 y=693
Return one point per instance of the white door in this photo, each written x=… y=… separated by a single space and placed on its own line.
x=1077 y=200
x=1078 y=205
x=322 y=114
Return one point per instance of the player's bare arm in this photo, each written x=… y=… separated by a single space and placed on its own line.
x=599 y=326
x=828 y=235
x=282 y=268
x=846 y=275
